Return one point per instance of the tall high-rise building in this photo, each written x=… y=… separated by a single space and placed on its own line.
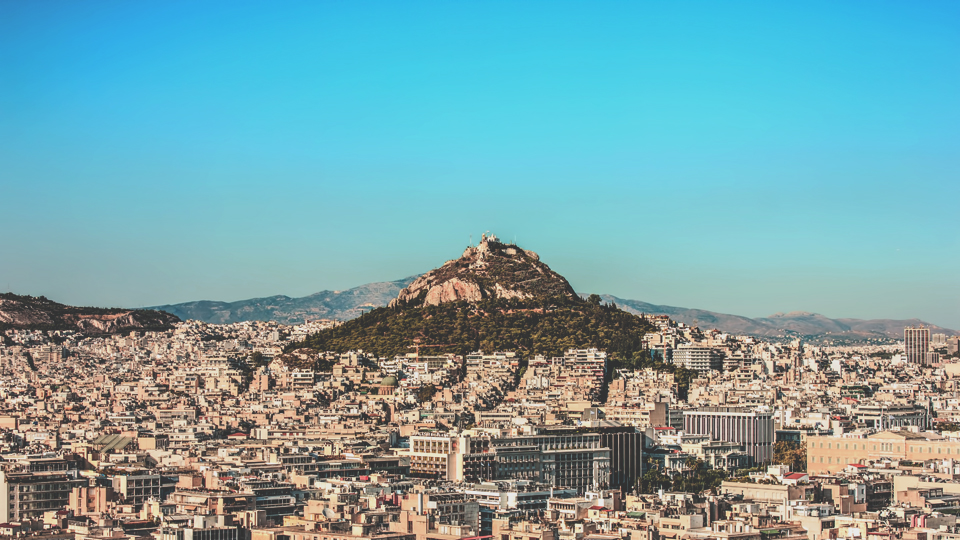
x=916 y=344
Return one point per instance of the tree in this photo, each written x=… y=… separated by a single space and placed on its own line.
x=654 y=479
x=257 y=360
x=694 y=465
x=792 y=454
x=426 y=393
x=948 y=426
x=30 y=362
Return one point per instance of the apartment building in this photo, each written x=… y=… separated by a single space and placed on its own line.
x=698 y=358
x=137 y=488
x=27 y=495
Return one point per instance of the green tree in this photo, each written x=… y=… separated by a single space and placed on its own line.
x=426 y=393
x=30 y=362
x=792 y=454
x=654 y=479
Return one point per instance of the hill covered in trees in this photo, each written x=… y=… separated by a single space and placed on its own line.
x=496 y=297
x=545 y=326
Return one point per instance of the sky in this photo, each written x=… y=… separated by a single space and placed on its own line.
x=741 y=157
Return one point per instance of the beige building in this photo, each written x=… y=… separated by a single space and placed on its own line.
x=827 y=455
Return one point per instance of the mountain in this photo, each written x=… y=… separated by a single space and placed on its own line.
x=811 y=326
x=494 y=297
x=39 y=313
x=491 y=269
x=286 y=310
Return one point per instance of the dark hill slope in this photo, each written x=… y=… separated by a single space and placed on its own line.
x=39 y=313
x=529 y=326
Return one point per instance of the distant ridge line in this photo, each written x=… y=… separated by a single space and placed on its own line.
x=347 y=304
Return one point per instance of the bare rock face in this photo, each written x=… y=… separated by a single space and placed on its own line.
x=491 y=269
x=452 y=291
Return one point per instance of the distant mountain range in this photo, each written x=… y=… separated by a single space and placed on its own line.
x=811 y=326
x=339 y=305
x=349 y=304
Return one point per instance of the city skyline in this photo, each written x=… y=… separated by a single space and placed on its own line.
x=746 y=159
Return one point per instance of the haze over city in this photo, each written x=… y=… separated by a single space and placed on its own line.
x=745 y=158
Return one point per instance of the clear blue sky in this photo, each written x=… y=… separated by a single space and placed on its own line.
x=743 y=157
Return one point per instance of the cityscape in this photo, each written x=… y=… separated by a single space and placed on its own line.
x=248 y=430
x=315 y=270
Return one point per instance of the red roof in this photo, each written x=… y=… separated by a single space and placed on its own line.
x=795 y=476
x=597 y=508
x=857 y=465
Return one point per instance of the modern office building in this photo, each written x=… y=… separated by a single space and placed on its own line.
x=753 y=429
x=624 y=442
x=573 y=459
x=916 y=344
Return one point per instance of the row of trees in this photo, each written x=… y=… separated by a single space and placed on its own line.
x=697 y=477
x=694 y=478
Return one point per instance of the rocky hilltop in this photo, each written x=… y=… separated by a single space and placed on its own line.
x=495 y=297
x=491 y=269
x=39 y=313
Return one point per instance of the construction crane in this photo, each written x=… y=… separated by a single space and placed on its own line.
x=416 y=345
